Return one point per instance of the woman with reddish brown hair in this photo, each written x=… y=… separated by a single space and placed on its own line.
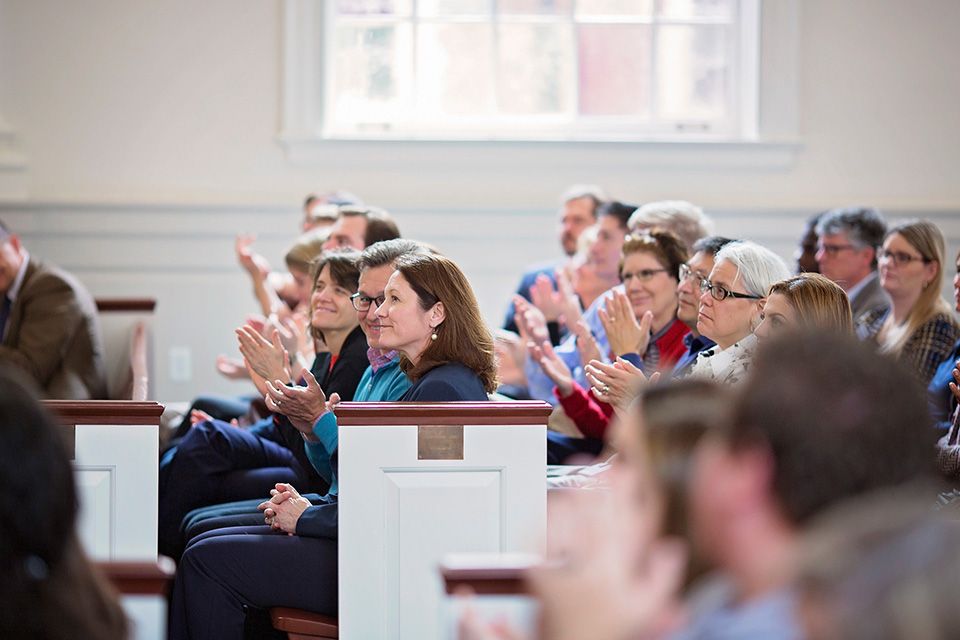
x=431 y=317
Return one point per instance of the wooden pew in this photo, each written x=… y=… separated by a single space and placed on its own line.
x=113 y=448
x=113 y=444
x=417 y=481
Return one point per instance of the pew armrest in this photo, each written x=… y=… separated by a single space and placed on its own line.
x=141 y=578
x=299 y=623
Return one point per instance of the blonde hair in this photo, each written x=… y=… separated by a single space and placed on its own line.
x=925 y=237
x=306 y=249
x=818 y=301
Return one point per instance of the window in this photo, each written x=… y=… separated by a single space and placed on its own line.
x=539 y=69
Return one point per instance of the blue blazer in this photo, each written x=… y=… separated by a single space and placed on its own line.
x=453 y=382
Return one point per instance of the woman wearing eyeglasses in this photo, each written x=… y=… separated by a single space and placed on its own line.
x=641 y=326
x=917 y=327
x=731 y=303
x=217 y=462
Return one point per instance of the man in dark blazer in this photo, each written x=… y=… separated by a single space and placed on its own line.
x=48 y=325
x=847 y=253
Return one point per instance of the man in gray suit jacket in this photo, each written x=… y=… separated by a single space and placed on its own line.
x=48 y=325
x=847 y=253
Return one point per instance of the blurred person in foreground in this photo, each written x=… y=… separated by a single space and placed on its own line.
x=48 y=588
x=883 y=568
x=820 y=419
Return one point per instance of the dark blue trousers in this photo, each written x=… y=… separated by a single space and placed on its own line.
x=214 y=463
x=560 y=448
x=226 y=570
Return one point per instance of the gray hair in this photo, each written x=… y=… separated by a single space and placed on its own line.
x=686 y=220
x=863 y=226
x=757 y=266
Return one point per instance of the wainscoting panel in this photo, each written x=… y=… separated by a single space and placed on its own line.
x=183 y=255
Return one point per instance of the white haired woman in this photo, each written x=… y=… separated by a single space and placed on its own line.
x=731 y=305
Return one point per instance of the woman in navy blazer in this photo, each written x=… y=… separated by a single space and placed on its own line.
x=431 y=317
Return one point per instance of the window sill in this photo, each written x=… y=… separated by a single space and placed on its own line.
x=699 y=154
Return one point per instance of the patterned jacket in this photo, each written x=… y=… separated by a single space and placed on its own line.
x=925 y=350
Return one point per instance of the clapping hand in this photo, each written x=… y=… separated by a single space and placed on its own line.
x=546 y=298
x=618 y=383
x=624 y=333
x=265 y=358
x=530 y=321
x=555 y=368
x=301 y=405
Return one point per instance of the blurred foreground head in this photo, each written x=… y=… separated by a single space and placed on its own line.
x=820 y=419
x=882 y=567
x=48 y=589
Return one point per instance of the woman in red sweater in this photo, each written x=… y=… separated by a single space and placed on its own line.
x=641 y=324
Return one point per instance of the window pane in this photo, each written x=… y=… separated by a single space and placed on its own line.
x=535 y=69
x=435 y=8
x=682 y=9
x=373 y=7
x=534 y=7
x=615 y=7
x=692 y=72
x=371 y=72
x=614 y=69
x=454 y=70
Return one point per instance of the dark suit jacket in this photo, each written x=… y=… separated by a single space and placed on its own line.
x=871 y=297
x=54 y=335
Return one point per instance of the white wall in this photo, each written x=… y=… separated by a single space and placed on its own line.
x=149 y=129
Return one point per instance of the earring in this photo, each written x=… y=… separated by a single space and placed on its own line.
x=433 y=336
x=926 y=284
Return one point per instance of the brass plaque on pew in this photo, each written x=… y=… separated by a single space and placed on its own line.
x=439 y=442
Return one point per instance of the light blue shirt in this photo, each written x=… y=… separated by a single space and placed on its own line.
x=386 y=384
x=539 y=384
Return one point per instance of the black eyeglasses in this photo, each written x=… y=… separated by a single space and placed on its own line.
x=719 y=293
x=362 y=302
x=899 y=258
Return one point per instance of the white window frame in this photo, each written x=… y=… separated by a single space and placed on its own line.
x=770 y=128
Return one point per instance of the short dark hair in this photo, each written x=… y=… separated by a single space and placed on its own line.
x=380 y=225
x=711 y=244
x=387 y=252
x=618 y=210
x=838 y=418
x=343 y=270
x=863 y=226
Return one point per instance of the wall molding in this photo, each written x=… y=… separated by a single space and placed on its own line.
x=182 y=255
x=13 y=165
